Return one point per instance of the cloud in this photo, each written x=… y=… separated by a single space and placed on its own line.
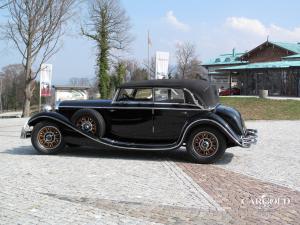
x=247 y=25
x=173 y=21
x=257 y=28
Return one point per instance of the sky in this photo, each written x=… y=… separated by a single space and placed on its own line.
x=214 y=26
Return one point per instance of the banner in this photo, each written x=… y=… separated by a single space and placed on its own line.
x=45 y=80
x=162 y=65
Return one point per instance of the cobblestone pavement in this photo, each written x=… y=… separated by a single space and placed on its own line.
x=276 y=157
x=89 y=186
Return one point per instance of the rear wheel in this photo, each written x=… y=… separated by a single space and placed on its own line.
x=89 y=121
x=206 y=145
x=46 y=138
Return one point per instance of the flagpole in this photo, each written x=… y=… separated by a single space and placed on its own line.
x=148 y=41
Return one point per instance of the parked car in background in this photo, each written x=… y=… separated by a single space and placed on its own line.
x=145 y=115
x=233 y=91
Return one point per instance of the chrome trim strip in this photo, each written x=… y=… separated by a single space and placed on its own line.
x=137 y=107
x=168 y=103
x=194 y=99
x=156 y=149
x=115 y=97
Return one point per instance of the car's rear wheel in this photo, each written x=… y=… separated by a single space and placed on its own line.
x=206 y=145
x=47 y=138
x=90 y=122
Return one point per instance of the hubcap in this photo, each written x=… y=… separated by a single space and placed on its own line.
x=205 y=143
x=49 y=137
x=87 y=124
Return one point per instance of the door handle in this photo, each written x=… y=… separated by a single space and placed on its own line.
x=184 y=113
x=112 y=110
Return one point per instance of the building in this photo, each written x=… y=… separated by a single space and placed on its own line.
x=272 y=66
x=219 y=78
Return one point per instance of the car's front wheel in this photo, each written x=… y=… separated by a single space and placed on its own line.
x=206 y=145
x=47 y=138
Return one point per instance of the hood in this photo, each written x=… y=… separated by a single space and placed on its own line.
x=85 y=103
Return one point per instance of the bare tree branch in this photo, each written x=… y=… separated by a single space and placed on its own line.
x=108 y=16
x=185 y=53
x=4 y=3
x=35 y=27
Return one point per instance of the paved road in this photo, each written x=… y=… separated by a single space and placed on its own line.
x=90 y=186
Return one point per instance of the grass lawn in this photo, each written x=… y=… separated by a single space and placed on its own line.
x=264 y=109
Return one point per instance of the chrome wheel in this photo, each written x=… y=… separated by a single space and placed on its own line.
x=87 y=124
x=205 y=143
x=49 y=137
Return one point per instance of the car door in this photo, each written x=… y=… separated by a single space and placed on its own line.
x=170 y=114
x=131 y=114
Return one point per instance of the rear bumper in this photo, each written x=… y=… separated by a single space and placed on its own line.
x=249 y=138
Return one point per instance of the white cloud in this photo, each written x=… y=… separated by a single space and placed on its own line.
x=247 y=25
x=172 y=20
x=257 y=28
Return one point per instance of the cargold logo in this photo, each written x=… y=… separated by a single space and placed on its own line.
x=266 y=202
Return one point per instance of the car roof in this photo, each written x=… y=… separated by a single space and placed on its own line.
x=172 y=83
x=200 y=87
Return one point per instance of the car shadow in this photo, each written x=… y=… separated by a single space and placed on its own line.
x=178 y=155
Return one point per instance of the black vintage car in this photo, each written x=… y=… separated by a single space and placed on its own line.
x=145 y=115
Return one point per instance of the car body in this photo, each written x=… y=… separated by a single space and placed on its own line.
x=232 y=91
x=145 y=115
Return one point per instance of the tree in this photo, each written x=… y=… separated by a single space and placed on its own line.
x=139 y=74
x=195 y=70
x=35 y=28
x=152 y=67
x=4 y=3
x=12 y=83
x=119 y=76
x=109 y=27
x=185 y=53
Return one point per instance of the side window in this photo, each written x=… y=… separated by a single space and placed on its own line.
x=125 y=95
x=132 y=94
x=168 y=95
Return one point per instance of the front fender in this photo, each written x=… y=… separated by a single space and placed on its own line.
x=216 y=121
x=49 y=116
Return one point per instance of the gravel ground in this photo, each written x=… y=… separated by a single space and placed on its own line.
x=89 y=186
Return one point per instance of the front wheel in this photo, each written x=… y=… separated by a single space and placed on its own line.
x=206 y=145
x=47 y=138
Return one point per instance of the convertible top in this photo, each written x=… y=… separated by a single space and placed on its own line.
x=200 y=88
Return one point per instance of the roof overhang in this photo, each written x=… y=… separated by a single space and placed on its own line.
x=261 y=66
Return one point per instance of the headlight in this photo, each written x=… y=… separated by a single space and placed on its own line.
x=47 y=108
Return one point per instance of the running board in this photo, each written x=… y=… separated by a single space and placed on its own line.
x=130 y=145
